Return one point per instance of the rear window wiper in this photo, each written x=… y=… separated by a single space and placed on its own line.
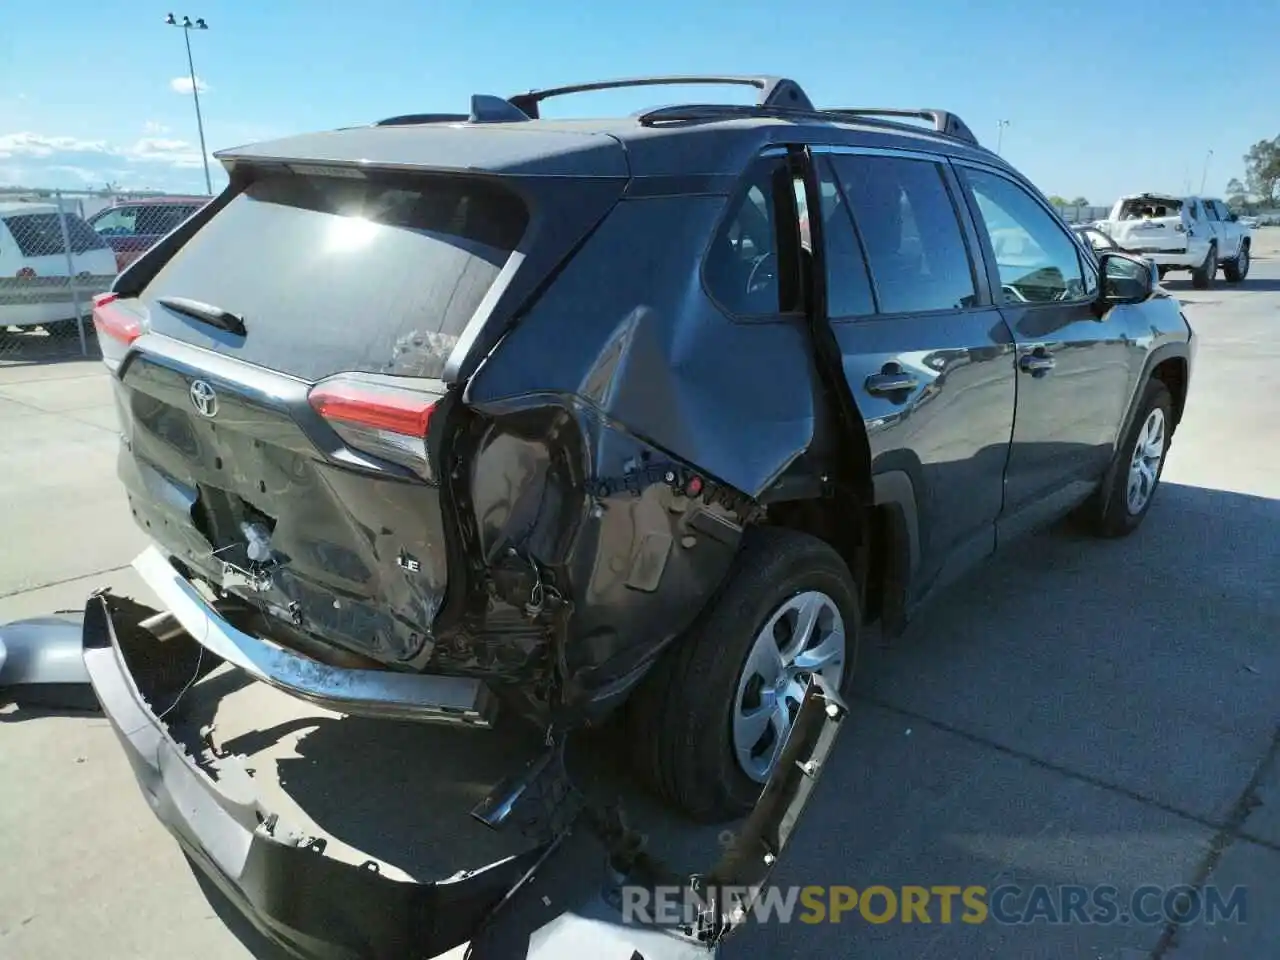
x=205 y=313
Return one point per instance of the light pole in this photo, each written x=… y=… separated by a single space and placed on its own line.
x=187 y=26
x=1204 y=175
x=1000 y=125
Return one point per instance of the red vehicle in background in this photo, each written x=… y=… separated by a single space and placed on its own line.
x=131 y=227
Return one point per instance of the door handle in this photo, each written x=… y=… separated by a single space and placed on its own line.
x=891 y=381
x=1036 y=363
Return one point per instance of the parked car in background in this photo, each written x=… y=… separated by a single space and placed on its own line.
x=1249 y=222
x=131 y=227
x=34 y=269
x=1182 y=233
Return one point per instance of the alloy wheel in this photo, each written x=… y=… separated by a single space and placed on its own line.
x=804 y=635
x=1144 y=464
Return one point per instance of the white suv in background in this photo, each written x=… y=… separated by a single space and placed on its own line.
x=36 y=266
x=1182 y=233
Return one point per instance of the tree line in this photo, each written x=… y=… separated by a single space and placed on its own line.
x=1261 y=187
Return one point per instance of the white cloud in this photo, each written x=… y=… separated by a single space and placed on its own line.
x=40 y=160
x=153 y=128
x=183 y=85
x=36 y=145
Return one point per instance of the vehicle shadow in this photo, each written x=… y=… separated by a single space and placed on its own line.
x=36 y=701
x=1060 y=716
x=1067 y=714
x=1247 y=285
x=31 y=347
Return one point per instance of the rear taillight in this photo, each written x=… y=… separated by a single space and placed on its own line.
x=1180 y=227
x=380 y=420
x=112 y=321
x=26 y=273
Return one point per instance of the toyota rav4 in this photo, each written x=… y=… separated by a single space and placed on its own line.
x=454 y=416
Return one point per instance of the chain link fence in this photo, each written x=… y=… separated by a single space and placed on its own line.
x=58 y=249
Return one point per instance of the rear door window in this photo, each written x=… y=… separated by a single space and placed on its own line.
x=40 y=234
x=375 y=274
x=914 y=246
x=848 y=285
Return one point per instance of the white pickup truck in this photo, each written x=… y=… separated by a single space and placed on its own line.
x=1182 y=233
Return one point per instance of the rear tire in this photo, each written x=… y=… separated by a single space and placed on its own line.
x=1119 y=509
x=681 y=719
x=1237 y=269
x=1161 y=272
x=1203 y=275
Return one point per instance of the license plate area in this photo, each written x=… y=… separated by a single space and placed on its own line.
x=239 y=535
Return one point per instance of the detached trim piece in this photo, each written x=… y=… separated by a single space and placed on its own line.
x=383 y=694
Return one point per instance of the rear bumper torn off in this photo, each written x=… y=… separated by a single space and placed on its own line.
x=316 y=906
x=384 y=694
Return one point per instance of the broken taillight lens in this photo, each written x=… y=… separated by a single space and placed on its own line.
x=112 y=321
x=380 y=420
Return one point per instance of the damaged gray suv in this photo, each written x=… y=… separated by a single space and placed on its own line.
x=455 y=417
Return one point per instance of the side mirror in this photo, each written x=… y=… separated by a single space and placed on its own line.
x=1124 y=279
x=1234 y=217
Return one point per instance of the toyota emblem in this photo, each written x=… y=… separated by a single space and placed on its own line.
x=204 y=399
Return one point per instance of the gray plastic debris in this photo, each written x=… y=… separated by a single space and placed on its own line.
x=41 y=663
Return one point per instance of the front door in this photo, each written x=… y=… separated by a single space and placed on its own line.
x=1074 y=367
x=926 y=354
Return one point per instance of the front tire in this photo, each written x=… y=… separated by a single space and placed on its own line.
x=710 y=719
x=1237 y=269
x=1121 y=507
x=1203 y=275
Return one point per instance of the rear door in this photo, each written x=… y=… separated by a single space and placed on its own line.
x=927 y=356
x=1231 y=231
x=1073 y=366
x=1215 y=228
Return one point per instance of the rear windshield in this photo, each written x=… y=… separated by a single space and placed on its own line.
x=40 y=234
x=1148 y=208
x=344 y=273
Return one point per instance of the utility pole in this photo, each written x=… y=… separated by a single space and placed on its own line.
x=1204 y=175
x=187 y=26
x=1000 y=125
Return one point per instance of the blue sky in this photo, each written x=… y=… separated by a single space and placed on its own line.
x=1132 y=96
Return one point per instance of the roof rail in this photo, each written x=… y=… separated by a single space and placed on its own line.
x=774 y=92
x=943 y=121
x=947 y=124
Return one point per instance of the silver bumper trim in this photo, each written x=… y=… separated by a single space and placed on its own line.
x=385 y=694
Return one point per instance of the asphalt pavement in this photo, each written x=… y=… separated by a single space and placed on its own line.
x=1077 y=713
